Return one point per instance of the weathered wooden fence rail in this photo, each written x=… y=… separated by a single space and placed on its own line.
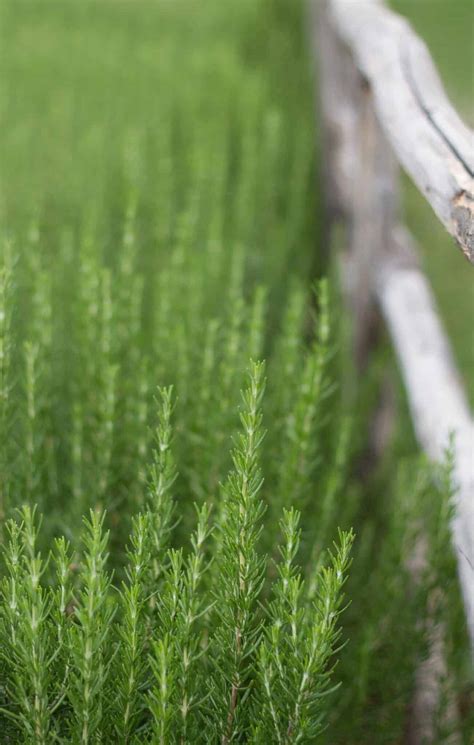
x=383 y=104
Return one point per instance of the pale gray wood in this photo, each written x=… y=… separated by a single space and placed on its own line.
x=436 y=396
x=432 y=674
x=338 y=93
x=361 y=184
x=430 y=140
x=389 y=77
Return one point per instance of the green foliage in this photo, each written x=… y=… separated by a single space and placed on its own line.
x=169 y=657
x=299 y=641
x=157 y=235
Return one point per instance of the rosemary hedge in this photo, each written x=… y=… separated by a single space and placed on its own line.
x=178 y=562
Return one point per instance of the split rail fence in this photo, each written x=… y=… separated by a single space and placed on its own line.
x=382 y=105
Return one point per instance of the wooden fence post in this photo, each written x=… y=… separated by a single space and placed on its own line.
x=380 y=98
x=372 y=67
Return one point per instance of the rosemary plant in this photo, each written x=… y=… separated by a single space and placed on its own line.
x=171 y=656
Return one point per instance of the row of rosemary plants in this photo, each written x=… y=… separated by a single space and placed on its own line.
x=178 y=517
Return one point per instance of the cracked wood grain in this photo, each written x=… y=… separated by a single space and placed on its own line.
x=428 y=137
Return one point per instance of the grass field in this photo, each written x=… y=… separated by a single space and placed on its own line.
x=160 y=226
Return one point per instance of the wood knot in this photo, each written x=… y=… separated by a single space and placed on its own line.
x=463 y=218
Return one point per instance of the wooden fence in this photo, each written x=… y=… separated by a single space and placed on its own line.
x=383 y=105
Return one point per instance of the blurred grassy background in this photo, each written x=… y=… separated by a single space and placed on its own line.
x=447 y=26
x=72 y=71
